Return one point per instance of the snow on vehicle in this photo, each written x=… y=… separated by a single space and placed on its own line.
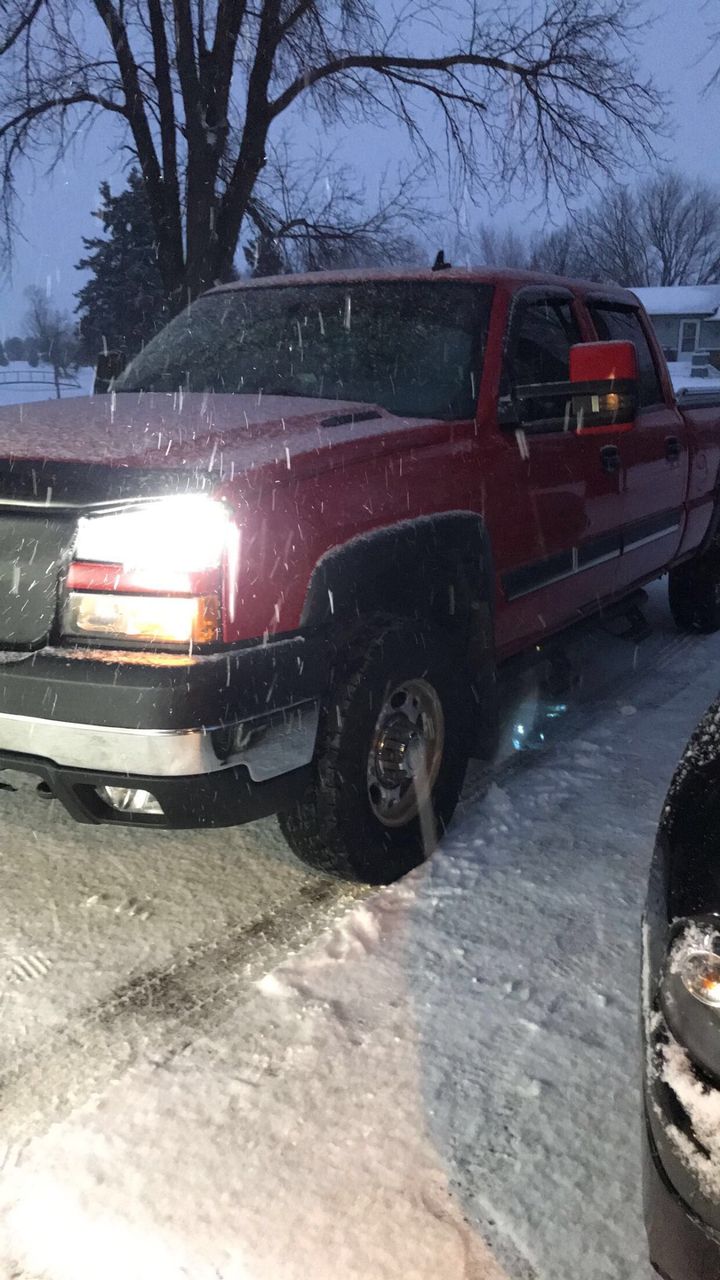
x=277 y=568
x=681 y=1019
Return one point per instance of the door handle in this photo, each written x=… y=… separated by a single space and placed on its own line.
x=672 y=448
x=610 y=457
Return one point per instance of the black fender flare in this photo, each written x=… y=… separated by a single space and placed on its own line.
x=437 y=567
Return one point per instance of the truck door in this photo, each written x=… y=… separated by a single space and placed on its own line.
x=653 y=455
x=556 y=496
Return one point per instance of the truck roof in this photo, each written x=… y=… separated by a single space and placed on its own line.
x=470 y=275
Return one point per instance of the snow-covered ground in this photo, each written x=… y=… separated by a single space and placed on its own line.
x=20 y=383
x=219 y=1065
x=681 y=373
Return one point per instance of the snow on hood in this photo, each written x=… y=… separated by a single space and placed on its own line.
x=160 y=431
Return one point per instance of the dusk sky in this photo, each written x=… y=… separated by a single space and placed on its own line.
x=56 y=211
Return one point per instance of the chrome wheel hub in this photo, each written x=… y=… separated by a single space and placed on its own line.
x=406 y=752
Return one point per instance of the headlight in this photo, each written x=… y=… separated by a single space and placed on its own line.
x=185 y=534
x=700 y=972
x=185 y=620
x=690 y=992
x=151 y=573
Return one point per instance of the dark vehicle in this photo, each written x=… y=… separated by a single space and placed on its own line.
x=681 y=1020
x=278 y=567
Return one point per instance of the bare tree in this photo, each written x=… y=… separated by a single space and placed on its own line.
x=681 y=221
x=665 y=232
x=500 y=247
x=52 y=333
x=560 y=252
x=310 y=215
x=557 y=251
x=547 y=91
x=612 y=241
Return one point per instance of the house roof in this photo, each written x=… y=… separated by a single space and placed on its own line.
x=682 y=300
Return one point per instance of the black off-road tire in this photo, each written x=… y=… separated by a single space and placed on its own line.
x=334 y=827
x=694 y=593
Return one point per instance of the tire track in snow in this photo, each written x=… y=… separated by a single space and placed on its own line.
x=156 y=1014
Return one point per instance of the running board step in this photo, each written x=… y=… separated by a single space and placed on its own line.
x=636 y=629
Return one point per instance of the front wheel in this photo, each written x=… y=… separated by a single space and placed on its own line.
x=694 y=593
x=393 y=747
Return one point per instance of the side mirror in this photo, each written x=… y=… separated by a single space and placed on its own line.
x=109 y=366
x=605 y=388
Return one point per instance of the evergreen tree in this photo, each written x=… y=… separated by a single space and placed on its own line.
x=3 y=357
x=123 y=303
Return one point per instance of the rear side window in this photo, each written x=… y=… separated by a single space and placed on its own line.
x=622 y=324
x=542 y=334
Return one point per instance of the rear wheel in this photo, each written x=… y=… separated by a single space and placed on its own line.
x=393 y=748
x=694 y=592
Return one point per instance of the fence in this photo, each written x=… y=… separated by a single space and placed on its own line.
x=34 y=378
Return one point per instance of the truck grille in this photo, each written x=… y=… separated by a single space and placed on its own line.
x=34 y=553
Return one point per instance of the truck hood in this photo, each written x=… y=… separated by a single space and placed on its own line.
x=59 y=457
x=208 y=433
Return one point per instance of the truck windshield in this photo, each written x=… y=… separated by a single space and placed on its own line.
x=412 y=347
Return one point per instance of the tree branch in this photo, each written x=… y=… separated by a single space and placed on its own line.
x=293 y=18
x=142 y=134
x=24 y=23
x=387 y=64
x=167 y=125
x=187 y=68
x=251 y=155
x=28 y=114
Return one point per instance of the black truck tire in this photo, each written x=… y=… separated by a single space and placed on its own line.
x=394 y=741
x=694 y=593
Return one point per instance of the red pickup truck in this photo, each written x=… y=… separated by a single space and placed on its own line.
x=278 y=566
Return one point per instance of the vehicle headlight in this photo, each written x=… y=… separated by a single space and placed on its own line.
x=690 y=992
x=184 y=534
x=151 y=573
x=700 y=972
x=185 y=620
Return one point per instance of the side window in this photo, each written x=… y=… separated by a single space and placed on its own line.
x=622 y=324
x=542 y=336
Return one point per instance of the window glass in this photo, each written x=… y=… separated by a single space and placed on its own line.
x=622 y=324
x=413 y=347
x=689 y=332
x=542 y=338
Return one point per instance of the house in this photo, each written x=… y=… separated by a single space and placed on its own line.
x=686 y=319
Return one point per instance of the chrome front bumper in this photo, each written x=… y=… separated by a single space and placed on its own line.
x=268 y=746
